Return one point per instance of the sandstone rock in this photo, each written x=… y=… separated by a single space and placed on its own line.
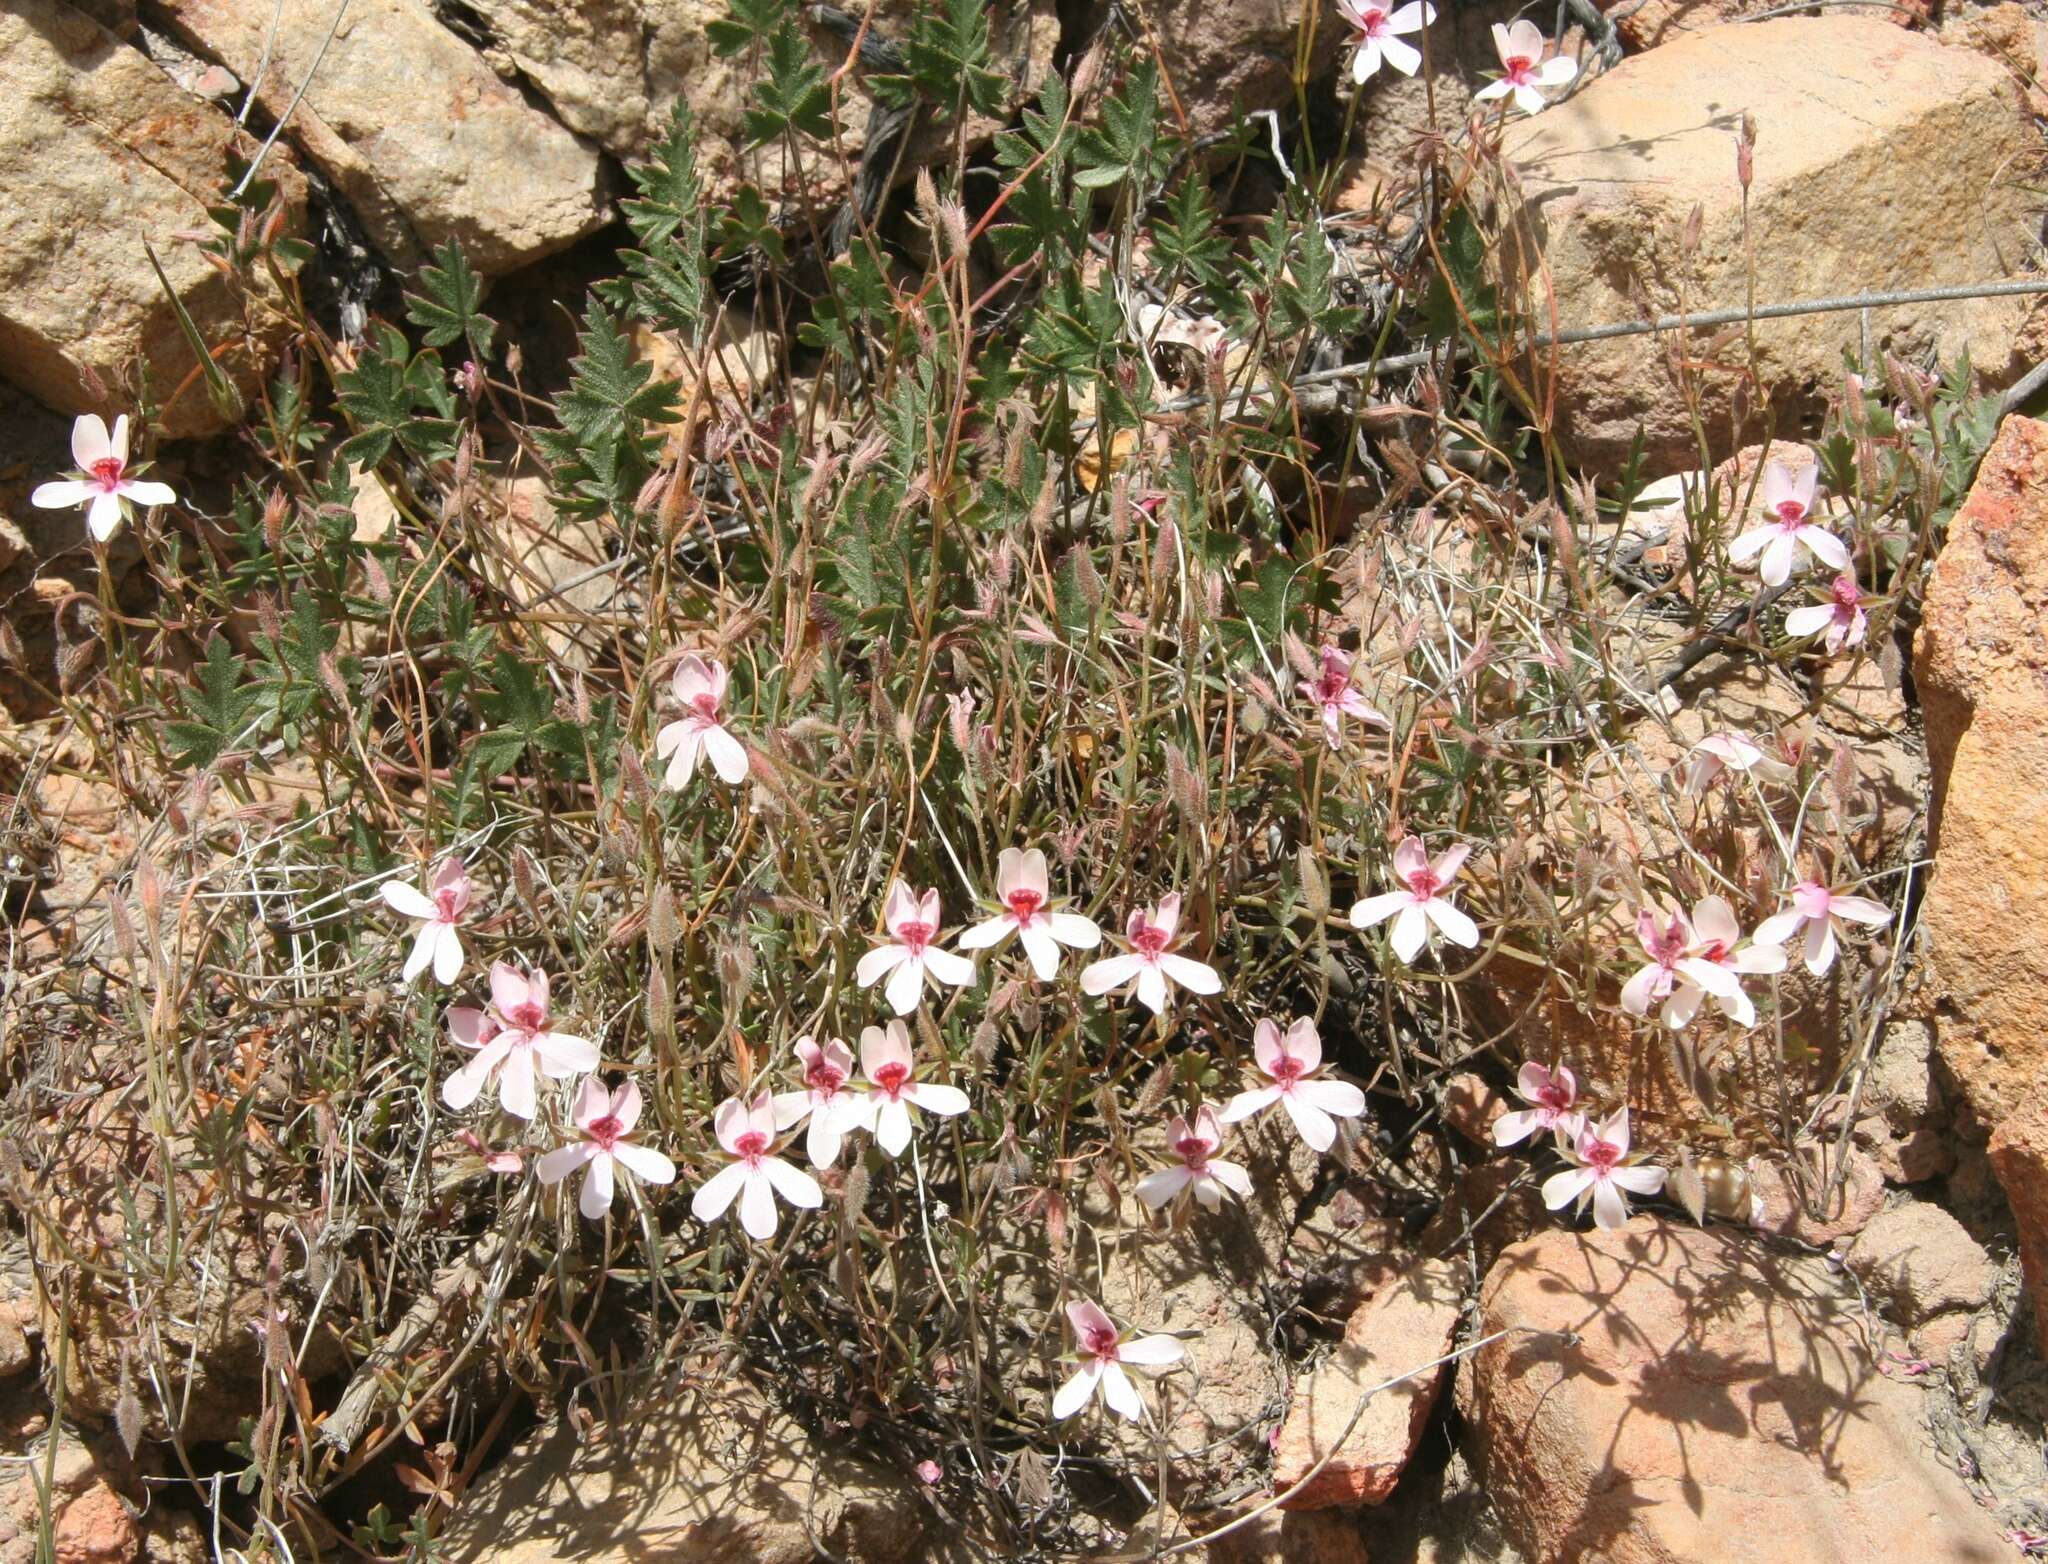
x=1801 y=1207
x=612 y=71
x=2019 y=1156
x=412 y=127
x=1717 y=1406
x=715 y=1477
x=99 y=153
x=1287 y=1537
x=1223 y=57
x=1895 y=166
x=1409 y=1325
x=1470 y=1107
x=1981 y=665
x=1922 y=1260
x=89 y=1522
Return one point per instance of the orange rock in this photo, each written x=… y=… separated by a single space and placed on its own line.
x=1407 y=1327
x=1981 y=661
x=1718 y=1405
x=1471 y=1106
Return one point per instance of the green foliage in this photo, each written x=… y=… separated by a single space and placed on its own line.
x=1185 y=239
x=604 y=450
x=1463 y=280
x=1041 y=219
x=792 y=99
x=1126 y=145
x=664 y=279
x=521 y=712
x=751 y=22
x=1292 y=263
x=947 y=58
x=447 y=309
x=221 y=711
x=395 y=397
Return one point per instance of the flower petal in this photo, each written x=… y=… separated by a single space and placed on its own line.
x=717 y=1192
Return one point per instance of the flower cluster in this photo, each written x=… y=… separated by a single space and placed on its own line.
x=1601 y=1171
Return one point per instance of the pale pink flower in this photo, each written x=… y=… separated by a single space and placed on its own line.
x=1149 y=932
x=1333 y=692
x=1692 y=957
x=1376 y=26
x=754 y=1176
x=1524 y=71
x=887 y=1062
x=909 y=957
x=1421 y=902
x=440 y=908
x=1290 y=1062
x=1199 y=1168
x=831 y=1104
x=1726 y=750
x=1603 y=1170
x=1788 y=500
x=1841 y=616
x=1103 y=1352
x=606 y=1119
x=1023 y=889
x=929 y=1472
x=511 y=1040
x=1553 y=1098
x=700 y=690
x=102 y=486
x=1822 y=911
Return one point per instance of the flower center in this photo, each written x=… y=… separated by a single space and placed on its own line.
x=892 y=1077
x=106 y=472
x=750 y=1146
x=1100 y=1342
x=1373 y=23
x=1287 y=1069
x=1519 y=68
x=1791 y=514
x=824 y=1078
x=1667 y=945
x=1555 y=1097
x=1148 y=940
x=1714 y=950
x=446 y=904
x=1424 y=883
x=914 y=935
x=705 y=705
x=527 y=1016
x=1194 y=1151
x=1603 y=1156
x=607 y=1132
x=1847 y=598
x=1024 y=904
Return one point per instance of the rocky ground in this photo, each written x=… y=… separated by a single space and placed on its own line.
x=1841 y=1358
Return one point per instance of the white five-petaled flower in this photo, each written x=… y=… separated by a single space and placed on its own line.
x=1553 y=1098
x=887 y=1062
x=1421 y=901
x=1290 y=1062
x=606 y=1120
x=1693 y=957
x=1603 y=1169
x=1103 y=1352
x=1377 y=26
x=1023 y=889
x=1149 y=932
x=754 y=1176
x=102 y=486
x=700 y=691
x=909 y=956
x=1337 y=697
x=828 y=1100
x=1788 y=499
x=1198 y=1167
x=1726 y=750
x=511 y=1039
x=1524 y=71
x=440 y=908
x=1841 y=616
x=1822 y=911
